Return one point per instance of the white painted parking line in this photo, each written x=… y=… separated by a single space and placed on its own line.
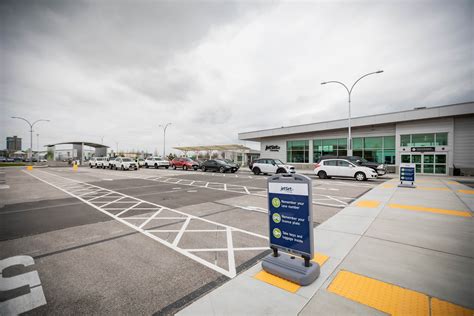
x=183 y=219
x=242 y=189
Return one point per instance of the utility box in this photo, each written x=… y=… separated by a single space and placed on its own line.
x=290 y=215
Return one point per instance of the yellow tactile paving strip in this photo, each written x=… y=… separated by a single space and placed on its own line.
x=453 y=182
x=466 y=191
x=432 y=188
x=368 y=203
x=389 y=298
x=443 y=308
x=383 y=296
x=430 y=210
x=285 y=284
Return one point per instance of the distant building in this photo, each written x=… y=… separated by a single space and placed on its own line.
x=13 y=144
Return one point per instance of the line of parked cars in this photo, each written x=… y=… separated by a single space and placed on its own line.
x=326 y=167
x=124 y=163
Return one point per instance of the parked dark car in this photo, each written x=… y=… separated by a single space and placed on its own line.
x=218 y=165
x=200 y=162
x=379 y=168
x=232 y=163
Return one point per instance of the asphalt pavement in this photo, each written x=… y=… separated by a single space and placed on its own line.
x=137 y=242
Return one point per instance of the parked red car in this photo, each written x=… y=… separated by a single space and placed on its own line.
x=185 y=163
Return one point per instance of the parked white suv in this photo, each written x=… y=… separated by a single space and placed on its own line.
x=156 y=162
x=267 y=165
x=108 y=163
x=97 y=162
x=124 y=163
x=343 y=168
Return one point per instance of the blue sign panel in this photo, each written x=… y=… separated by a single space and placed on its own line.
x=407 y=173
x=291 y=226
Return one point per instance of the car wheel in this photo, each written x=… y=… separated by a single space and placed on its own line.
x=90 y=166
x=156 y=166
x=222 y=170
x=195 y=168
x=146 y=165
x=256 y=171
x=360 y=176
x=166 y=167
x=185 y=167
x=122 y=168
x=281 y=170
x=173 y=167
x=203 y=169
x=322 y=175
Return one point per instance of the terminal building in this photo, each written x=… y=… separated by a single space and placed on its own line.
x=439 y=140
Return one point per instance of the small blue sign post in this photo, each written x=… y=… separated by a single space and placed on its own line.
x=291 y=229
x=407 y=175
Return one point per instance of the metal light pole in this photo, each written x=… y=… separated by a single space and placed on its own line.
x=164 y=138
x=37 y=145
x=31 y=133
x=349 y=92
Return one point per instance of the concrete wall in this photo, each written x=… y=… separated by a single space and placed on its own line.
x=464 y=144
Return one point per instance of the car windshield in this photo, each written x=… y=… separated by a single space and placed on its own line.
x=126 y=159
x=221 y=161
x=188 y=159
x=278 y=162
x=141 y=159
x=100 y=159
x=228 y=161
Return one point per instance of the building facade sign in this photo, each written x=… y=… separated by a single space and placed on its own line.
x=272 y=148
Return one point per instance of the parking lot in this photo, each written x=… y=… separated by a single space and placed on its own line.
x=139 y=242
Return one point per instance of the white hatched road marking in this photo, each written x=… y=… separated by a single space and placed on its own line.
x=242 y=189
x=59 y=182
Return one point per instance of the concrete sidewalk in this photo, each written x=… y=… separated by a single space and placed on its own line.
x=396 y=251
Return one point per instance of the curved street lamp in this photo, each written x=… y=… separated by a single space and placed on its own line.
x=31 y=133
x=349 y=92
x=164 y=137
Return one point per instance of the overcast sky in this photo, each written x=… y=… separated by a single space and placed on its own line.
x=118 y=69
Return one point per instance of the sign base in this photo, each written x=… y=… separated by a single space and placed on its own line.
x=291 y=268
x=406 y=185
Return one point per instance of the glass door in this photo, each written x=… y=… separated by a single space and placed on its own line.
x=416 y=159
x=427 y=163
x=440 y=164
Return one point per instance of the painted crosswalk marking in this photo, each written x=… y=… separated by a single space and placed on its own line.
x=101 y=198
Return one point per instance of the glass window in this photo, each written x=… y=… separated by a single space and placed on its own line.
x=329 y=147
x=405 y=158
x=330 y=162
x=343 y=163
x=389 y=156
x=374 y=155
x=341 y=144
x=440 y=169
x=416 y=158
x=405 y=140
x=373 y=142
x=422 y=140
x=317 y=149
x=357 y=143
x=389 y=142
x=428 y=168
x=297 y=151
x=358 y=153
x=441 y=139
x=428 y=158
x=440 y=158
